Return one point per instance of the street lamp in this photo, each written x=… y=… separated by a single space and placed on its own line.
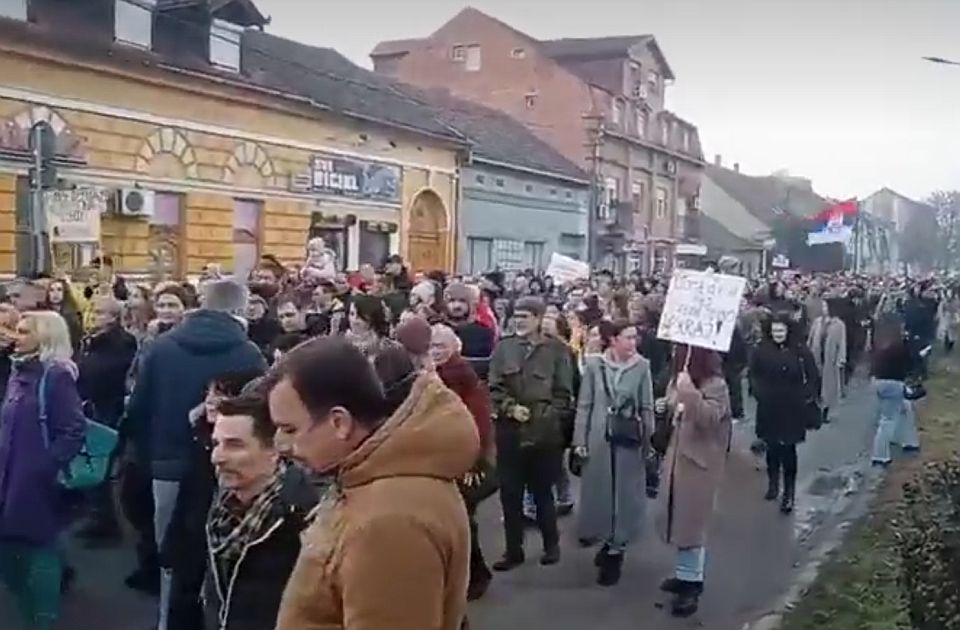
x=941 y=60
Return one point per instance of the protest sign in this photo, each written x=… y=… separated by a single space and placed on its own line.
x=73 y=216
x=701 y=309
x=564 y=269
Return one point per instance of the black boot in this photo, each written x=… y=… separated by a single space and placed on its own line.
x=610 y=567
x=773 y=487
x=551 y=556
x=601 y=554
x=789 y=490
x=479 y=583
x=509 y=562
x=686 y=600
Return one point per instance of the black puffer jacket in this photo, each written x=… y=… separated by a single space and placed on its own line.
x=104 y=362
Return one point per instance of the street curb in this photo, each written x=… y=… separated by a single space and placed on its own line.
x=856 y=510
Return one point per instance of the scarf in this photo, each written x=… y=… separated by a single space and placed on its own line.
x=19 y=359
x=232 y=527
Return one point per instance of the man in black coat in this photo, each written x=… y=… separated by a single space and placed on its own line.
x=478 y=340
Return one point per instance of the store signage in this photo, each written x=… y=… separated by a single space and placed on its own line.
x=356 y=179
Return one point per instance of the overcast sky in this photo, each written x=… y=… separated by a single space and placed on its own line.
x=834 y=90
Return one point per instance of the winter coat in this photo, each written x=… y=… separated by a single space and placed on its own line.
x=828 y=345
x=104 y=363
x=784 y=377
x=250 y=598
x=695 y=461
x=173 y=380
x=478 y=343
x=457 y=374
x=538 y=374
x=263 y=332
x=390 y=547
x=30 y=502
x=612 y=492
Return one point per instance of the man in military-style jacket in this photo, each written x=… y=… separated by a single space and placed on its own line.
x=530 y=379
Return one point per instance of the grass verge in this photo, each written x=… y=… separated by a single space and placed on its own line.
x=857 y=588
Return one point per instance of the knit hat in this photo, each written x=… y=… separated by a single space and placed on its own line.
x=532 y=305
x=414 y=334
x=460 y=292
x=225 y=295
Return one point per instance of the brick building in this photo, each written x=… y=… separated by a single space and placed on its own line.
x=600 y=102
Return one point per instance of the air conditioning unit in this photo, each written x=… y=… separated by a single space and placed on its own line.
x=135 y=202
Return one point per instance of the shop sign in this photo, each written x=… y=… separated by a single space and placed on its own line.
x=73 y=216
x=356 y=179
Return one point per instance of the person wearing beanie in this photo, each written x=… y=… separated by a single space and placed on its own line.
x=172 y=380
x=414 y=335
x=531 y=388
x=478 y=340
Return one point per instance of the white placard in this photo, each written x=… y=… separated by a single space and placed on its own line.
x=73 y=216
x=701 y=309
x=564 y=269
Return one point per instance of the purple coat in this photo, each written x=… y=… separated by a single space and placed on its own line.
x=30 y=509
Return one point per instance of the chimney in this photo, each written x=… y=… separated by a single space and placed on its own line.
x=736 y=167
x=718 y=160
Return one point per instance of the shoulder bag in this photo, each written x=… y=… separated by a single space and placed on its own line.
x=91 y=465
x=623 y=426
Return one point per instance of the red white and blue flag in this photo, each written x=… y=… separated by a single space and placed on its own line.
x=834 y=224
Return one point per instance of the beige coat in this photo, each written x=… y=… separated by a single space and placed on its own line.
x=695 y=461
x=390 y=546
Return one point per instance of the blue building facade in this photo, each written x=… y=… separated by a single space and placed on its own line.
x=513 y=218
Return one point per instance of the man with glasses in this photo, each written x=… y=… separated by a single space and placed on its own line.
x=531 y=380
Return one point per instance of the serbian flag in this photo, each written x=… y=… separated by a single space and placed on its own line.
x=834 y=224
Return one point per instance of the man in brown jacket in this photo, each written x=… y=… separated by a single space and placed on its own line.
x=390 y=543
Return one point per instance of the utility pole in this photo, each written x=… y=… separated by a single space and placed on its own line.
x=596 y=140
x=43 y=176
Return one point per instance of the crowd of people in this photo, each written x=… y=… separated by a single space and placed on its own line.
x=310 y=449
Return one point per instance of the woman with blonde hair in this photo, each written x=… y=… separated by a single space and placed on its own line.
x=34 y=447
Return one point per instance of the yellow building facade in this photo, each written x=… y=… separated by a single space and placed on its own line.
x=229 y=171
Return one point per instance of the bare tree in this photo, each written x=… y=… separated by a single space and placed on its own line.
x=946 y=203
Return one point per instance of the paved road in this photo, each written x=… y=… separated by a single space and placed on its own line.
x=754 y=553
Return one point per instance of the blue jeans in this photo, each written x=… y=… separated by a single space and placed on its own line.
x=896 y=420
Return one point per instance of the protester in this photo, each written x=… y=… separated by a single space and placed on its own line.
x=60 y=299
x=173 y=377
x=254 y=527
x=478 y=339
x=457 y=374
x=104 y=362
x=389 y=547
x=531 y=380
x=613 y=428
x=700 y=404
x=41 y=430
x=787 y=387
x=892 y=363
x=185 y=545
x=828 y=345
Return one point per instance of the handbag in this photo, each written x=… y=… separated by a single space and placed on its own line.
x=811 y=412
x=89 y=468
x=623 y=427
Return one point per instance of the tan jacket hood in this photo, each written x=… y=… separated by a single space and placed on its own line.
x=432 y=434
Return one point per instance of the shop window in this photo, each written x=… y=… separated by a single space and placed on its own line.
x=246 y=234
x=374 y=243
x=333 y=234
x=480 y=251
x=166 y=234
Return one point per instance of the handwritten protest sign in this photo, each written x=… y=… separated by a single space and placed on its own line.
x=73 y=216
x=565 y=270
x=701 y=309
